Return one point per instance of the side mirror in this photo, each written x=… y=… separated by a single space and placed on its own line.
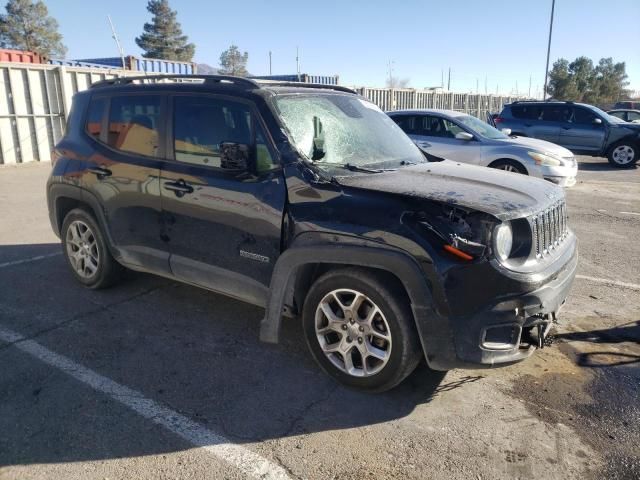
x=234 y=156
x=506 y=131
x=464 y=136
x=597 y=121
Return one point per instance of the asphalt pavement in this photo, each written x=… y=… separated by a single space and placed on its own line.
x=153 y=379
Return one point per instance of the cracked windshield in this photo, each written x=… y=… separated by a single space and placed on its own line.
x=339 y=130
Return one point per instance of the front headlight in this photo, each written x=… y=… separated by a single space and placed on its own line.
x=543 y=159
x=503 y=240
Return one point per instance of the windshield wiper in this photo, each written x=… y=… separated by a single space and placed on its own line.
x=351 y=167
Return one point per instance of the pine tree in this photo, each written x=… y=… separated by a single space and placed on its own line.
x=163 y=38
x=234 y=62
x=28 y=26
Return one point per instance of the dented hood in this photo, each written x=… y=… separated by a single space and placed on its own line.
x=502 y=194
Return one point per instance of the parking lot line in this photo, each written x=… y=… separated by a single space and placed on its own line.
x=249 y=463
x=617 y=283
x=28 y=260
x=630 y=213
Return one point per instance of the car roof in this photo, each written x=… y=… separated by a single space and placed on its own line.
x=212 y=83
x=434 y=111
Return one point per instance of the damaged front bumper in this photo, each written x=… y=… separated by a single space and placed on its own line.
x=503 y=333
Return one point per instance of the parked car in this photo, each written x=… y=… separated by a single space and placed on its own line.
x=628 y=104
x=583 y=129
x=310 y=202
x=627 y=115
x=461 y=137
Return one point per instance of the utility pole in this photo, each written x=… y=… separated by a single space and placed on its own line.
x=529 y=85
x=269 y=62
x=441 y=78
x=390 y=69
x=449 y=81
x=477 y=91
x=298 y=63
x=485 y=85
x=115 y=37
x=546 y=71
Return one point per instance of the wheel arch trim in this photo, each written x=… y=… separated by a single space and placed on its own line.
x=430 y=326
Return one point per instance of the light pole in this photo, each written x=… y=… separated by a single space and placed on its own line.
x=546 y=72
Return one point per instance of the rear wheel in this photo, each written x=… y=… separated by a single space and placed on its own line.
x=86 y=251
x=623 y=154
x=509 y=166
x=360 y=330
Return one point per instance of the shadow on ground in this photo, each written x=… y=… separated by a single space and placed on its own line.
x=604 y=166
x=191 y=350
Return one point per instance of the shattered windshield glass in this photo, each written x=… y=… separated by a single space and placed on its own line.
x=337 y=130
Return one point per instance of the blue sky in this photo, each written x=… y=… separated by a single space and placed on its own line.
x=503 y=41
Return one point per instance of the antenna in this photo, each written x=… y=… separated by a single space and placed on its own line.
x=115 y=37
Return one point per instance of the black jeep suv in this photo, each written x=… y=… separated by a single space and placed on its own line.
x=310 y=202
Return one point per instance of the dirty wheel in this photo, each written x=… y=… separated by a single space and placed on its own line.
x=509 y=166
x=360 y=331
x=86 y=251
x=623 y=154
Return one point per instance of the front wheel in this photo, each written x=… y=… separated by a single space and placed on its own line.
x=509 y=166
x=360 y=330
x=623 y=154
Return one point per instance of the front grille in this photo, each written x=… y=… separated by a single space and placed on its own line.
x=549 y=228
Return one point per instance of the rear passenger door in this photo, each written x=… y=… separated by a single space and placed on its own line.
x=581 y=133
x=552 y=118
x=122 y=174
x=223 y=227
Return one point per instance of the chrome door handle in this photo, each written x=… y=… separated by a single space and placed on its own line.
x=100 y=172
x=180 y=188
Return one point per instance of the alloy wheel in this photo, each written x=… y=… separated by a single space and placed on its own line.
x=82 y=249
x=353 y=332
x=623 y=154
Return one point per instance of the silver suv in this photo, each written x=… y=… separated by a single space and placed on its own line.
x=583 y=129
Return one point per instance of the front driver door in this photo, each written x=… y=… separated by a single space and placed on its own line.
x=581 y=133
x=440 y=134
x=223 y=227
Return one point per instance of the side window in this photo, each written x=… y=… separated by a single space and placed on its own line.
x=433 y=127
x=633 y=116
x=200 y=125
x=452 y=128
x=583 y=116
x=408 y=123
x=618 y=114
x=264 y=159
x=95 y=113
x=528 y=112
x=555 y=113
x=133 y=124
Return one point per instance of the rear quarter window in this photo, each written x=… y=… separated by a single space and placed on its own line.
x=95 y=114
x=133 y=124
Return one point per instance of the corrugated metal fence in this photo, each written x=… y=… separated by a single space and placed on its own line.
x=408 y=98
x=34 y=104
x=35 y=101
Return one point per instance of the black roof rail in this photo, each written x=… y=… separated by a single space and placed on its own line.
x=238 y=81
x=279 y=83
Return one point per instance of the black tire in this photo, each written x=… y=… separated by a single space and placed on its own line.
x=623 y=154
x=108 y=270
x=509 y=165
x=404 y=351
